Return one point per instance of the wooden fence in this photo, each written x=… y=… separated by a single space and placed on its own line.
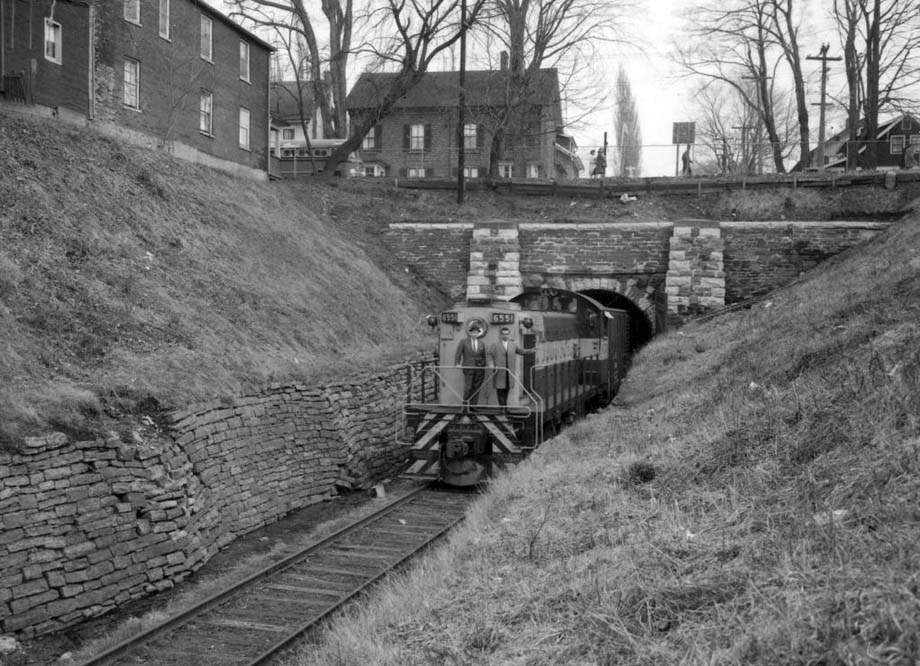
x=617 y=188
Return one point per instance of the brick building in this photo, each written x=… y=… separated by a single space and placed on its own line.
x=174 y=73
x=418 y=138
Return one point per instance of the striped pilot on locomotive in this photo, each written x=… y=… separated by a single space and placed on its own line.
x=509 y=373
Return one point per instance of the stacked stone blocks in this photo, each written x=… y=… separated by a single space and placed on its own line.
x=88 y=525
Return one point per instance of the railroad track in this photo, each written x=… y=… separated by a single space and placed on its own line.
x=248 y=623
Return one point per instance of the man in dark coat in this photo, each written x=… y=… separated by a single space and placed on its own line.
x=471 y=356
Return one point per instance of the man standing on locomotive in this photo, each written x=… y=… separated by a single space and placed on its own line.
x=471 y=356
x=502 y=359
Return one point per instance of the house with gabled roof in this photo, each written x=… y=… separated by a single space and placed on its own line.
x=897 y=144
x=174 y=74
x=419 y=137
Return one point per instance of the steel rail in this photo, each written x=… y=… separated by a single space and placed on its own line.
x=184 y=617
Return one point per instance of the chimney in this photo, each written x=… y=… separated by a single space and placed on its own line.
x=504 y=61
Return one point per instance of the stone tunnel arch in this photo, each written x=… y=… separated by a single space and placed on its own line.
x=648 y=307
x=641 y=327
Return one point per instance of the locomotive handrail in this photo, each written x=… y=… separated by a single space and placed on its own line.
x=489 y=374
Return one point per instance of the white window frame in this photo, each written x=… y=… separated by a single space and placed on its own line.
x=131 y=84
x=533 y=170
x=287 y=134
x=370 y=141
x=206 y=113
x=245 y=119
x=914 y=140
x=53 y=39
x=415 y=172
x=132 y=11
x=244 y=61
x=893 y=142
x=505 y=169
x=164 y=18
x=207 y=38
x=471 y=172
x=417 y=137
x=470 y=136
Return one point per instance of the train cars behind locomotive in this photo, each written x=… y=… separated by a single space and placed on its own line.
x=577 y=352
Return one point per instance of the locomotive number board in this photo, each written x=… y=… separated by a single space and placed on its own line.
x=502 y=318
x=449 y=317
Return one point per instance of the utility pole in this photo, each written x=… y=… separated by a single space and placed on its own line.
x=761 y=104
x=461 y=120
x=823 y=57
x=744 y=145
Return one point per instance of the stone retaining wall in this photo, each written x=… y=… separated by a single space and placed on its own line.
x=88 y=525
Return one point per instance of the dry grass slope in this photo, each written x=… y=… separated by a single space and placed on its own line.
x=130 y=280
x=752 y=498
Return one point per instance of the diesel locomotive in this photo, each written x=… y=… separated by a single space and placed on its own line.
x=572 y=355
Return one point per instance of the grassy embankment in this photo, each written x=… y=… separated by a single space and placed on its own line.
x=782 y=525
x=130 y=280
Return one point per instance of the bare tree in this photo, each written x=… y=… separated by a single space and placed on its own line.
x=730 y=137
x=294 y=15
x=749 y=40
x=289 y=80
x=411 y=34
x=881 y=40
x=628 y=130
x=537 y=35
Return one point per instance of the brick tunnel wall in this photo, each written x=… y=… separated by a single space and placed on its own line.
x=88 y=525
x=761 y=256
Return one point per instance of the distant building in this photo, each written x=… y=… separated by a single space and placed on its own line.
x=897 y=144
x=418 y=138
x=175 y=73
x=296 y=154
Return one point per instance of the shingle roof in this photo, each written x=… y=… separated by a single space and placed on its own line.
x=284 y=101
x=442 y=89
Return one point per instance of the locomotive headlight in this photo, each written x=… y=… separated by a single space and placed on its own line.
x=527 y=322
x=432 y=320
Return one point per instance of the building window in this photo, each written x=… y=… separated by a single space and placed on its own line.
x=207 y=43
x=505 y=169
x=287 y=135
x=533 y=171
x=417 y=137
x=244 y=61
x=133 y=11
x=470 y=136
x=415 y=172
x=471 y=172
x=164 y=19
x=132 y=83
x=914 y=140
x=206 y=113
x=244 y=128
x=53 y=41
x=372 y=139
x=897 y=143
